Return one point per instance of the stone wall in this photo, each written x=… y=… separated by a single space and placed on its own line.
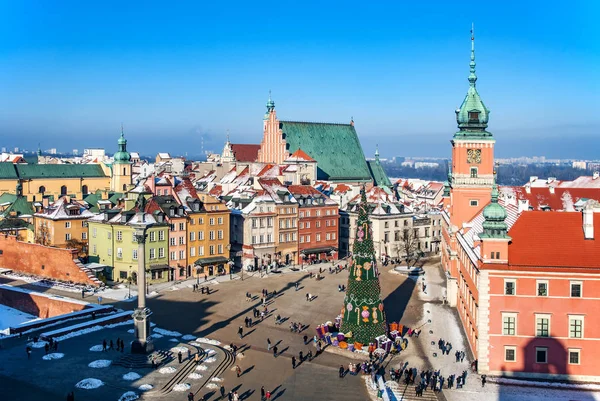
x=34 y=259
x=40 y=305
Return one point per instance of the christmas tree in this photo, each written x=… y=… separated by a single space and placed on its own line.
x=362 y=314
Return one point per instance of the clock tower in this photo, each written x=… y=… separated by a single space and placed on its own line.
x=472 y=175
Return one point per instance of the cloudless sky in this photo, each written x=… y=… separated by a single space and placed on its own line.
x=173 y=72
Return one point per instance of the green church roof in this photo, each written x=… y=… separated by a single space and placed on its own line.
x=335 y=147
x=28 y=171
x=8 y=171
x=380 y=178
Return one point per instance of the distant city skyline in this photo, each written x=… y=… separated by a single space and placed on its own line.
x=71 y=73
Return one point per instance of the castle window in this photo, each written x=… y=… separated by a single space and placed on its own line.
x=42 y=189
x=474 y=202
x=473 y=172
x=473 y=116
x=63 y=190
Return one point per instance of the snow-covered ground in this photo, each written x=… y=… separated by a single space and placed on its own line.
x=10 y=317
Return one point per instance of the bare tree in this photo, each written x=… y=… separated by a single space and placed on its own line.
x=409 y=244
x=42 y=234
x=74 y=243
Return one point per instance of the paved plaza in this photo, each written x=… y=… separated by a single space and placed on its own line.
x=186 y=315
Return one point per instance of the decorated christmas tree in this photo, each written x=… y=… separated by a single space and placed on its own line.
x=362 y=314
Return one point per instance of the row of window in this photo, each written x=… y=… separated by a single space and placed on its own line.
x=287 y=237
x=68 y=236
x=510 y=287
x=134 y=252
x=260 y=239
x=328 y=223
x=68 y=224
x=119 y=235
x=541 y=355
x=328 y=236
x=287 y=223
x=328 y=212
x=256 y=222
x=542 y=325
x=211 y=251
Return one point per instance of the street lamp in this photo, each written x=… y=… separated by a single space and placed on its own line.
x=129 y=282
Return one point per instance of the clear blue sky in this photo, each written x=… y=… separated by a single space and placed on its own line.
x=72 y=71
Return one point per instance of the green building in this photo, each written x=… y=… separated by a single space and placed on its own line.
x=112 y=243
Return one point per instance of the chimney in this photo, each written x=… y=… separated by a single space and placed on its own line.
x=588 y=221
x=532 y=178
x=596 y=175
x=551 y=189
x=528 y=188
x=523 y=205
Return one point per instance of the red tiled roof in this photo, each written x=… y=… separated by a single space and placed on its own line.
x=245 y=152
x=553 y=239
x=561 y=199
x=216 y=191
x=301 y=155
x=303 y=190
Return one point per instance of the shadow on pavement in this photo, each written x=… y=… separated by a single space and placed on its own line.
x=396 y=302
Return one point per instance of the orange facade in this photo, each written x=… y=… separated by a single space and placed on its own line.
x=318 y=232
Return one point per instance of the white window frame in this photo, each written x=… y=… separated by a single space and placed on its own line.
x=200 y=235
x=211 y=221
x=510 y=315
x=537 y=288
x=134 y=254
x=67 y=224
x=192 y=236
x=193 y=251
x=510 y=348
x=576 y=282
x=161 y=253
x=181 y=255
x=539 y=349
x=84 y=235
x=510 y=280
x=201 y=250
x=152 y=236
x=119 y=235
x=220 y=249
x=94 y=232
x=67 y=236
x=576 y=351
x=152 y=253
x=161 y=235
x=173 y=255
x=543 y=316
x=473 y=202
x=119 y=253
x=577 y=317
x=219 y=220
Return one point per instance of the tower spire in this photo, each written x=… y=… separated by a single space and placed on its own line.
x=472 y=76
x=270 y=104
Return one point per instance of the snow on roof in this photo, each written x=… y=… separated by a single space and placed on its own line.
x=581 y=182
x=164 y=155
x=300 y=156
x=61 y=209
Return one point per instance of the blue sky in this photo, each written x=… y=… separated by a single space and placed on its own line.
x=72 y=71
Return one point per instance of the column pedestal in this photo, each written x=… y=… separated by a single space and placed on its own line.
x=141 y=324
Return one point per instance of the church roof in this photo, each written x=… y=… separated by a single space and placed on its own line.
x=379 y=177
x=29 y=171
x=537 y=242
x=245 y=152
x=335 y=147
x=299 y=156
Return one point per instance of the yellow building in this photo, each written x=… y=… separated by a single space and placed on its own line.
x=208 y=236
x=286 y=232
x=56 y=180
x=63 y=224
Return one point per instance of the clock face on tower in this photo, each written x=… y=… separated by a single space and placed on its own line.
x=474 y=156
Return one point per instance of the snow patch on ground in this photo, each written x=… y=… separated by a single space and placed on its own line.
x=155 y=335
x=195 y=344
x=183 y=350
x=240 y=355
x=195 y=375
x=216 y=379
x=55 y=355
x=152 y=294
x=212 y=386
x=167 y=370
x=89 y=384
x=207 y=341
x=79 y=333
x=210 y=351
x=131 y=331
x=188 y=337
x=175 y=340
x=38 y=344
x=210 y=360
x=131 y=376
x=96 y=348
x=168 y=333
x=182 y=387
x=11 y=317
x=201 y=368
x=129 y=396
x=146 y=387
x=100 y=363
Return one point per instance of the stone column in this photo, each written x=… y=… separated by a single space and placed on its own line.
x=141 y=315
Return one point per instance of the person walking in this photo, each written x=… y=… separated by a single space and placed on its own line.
x=46 y=348
x=104 y=345
x=309 y=355
x=297 y=285
x=300 y=356
x=222 y=391
x=305 y=338
x=275 y=351
x=262 y=393
x=191 y=396
x=238 y=370
x=268 y=344
x=180 y=356
x=28 y=350
x=293 y=362
x=342 y=370
x=307 y=296
x=268 y=396
x=483 y=380
x=241 y=332
x=197 y=358
x=112 y=345
x=236 y=397
x=230 y=396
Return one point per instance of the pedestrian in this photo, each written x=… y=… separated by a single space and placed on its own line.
x=112 y=345
x=82 y=294
x=197 y=358
x=180 y=356
x=301 y=356
x=268 y=396
x=222 y=390
x=238 y=370
x=305 y=338
x=118 y=343
x=268 y=344
x=46 y=348
x=342 y=370
x=122 y=346
x=309 y=355
x=230 y=396
x=104 y=345
x=249 y=322
x=293 y=362
x=241 y=332
x=483 y=380
x=191 y=396
x=307 y=296
x=262 y=393
x=236 y=397
x=246 y=321
x=297 y=285
x=205 y=277
x=275 y=351
x=28 y=350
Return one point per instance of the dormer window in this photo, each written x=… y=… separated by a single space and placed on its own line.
x=473 y=116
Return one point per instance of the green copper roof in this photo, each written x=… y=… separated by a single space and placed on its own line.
x=335 y=147
x=122 y=156
x=8 y=171
x=18 y=207
x=494 y=215
x=27 y=171
x=472 y=116
x=380 y=179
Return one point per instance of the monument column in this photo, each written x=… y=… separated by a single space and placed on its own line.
x=141 y=315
